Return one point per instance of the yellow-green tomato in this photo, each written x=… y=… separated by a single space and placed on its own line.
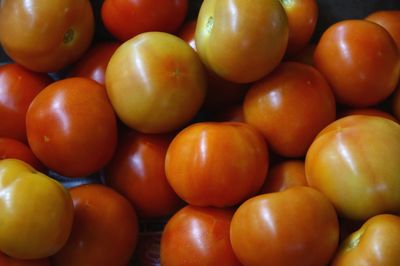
x=155 y=82
x=241 y=40
x=36 y=212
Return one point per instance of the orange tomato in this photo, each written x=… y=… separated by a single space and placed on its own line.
x=390 y=20
x=9 y=261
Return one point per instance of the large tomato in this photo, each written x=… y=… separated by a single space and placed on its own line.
x=355 y=162
x=9 y=261
x=198 y=236
x=241 y=40
x=377 y=242
x=155 y=82
x=290 y=106
x=297 y=226
x=46 y=36
x=217 y=163
x=71 y=127
x=126 y=19
x=360 y=61
x=104 y=231
x=18 y=87
x=390 y=20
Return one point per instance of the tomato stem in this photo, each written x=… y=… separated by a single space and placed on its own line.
x=69 y=35
x=210 y=24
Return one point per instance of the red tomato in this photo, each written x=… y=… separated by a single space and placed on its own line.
x=104 y=231
x=284 y=175
x=360 y=60
x=137 y=172
x=368 y=111
x=18 y=87
x=377 y=242
x=94 y=63
x=125 y=19
x=355 y=162
x=390 y=20
x=302 y=18
x=8 y=261
x=71 y=127
x=198 y=236
x=46 y=36
x=11 y=148
x=156 y=82
x=290 y=106
x=241 y=41
x=297 y=226
x=205 y=159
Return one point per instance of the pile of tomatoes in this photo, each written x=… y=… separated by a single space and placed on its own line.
x=207 y=132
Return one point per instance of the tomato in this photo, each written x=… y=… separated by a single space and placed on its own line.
x=360 y=61
x=368 y=111
x=36 y=212
x=206 y=158
x=104 y=231
x=355 y=162
x=137 y=172
x=8 y=261
x=198 y=236
x=305 y=55
x=156 y=82
x=377 y=242
x=390 y=20
x=284 y=175
x=302 y=18
x=297 y=226
x=71 y=127
x=18 y=87
x=50 y=44
x=12 y=148
x=94 y=62
x=283 y=107
x=240 y=40
x=126 y=19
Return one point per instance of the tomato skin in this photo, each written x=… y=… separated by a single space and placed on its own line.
x=46 y=45
x=297 y=226
x=137 y=172
x=126 y=19
x=155 y=82
x=240 y=40
x=207 y=157
x=390 y=20
x=105 y=228
x=361 y=70
x=204 y=234
x=283 y=107
x=368 y=111
x=18 y=87
x=71 y=127
x=9 y=261
x=375 y=243
x=344 y=159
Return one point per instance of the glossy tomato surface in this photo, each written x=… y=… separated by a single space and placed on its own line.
x=217 y=164
x=46 y=36
x=355 y=162
x=204 y=234
x=290 y=106
x=390 y=20
x=71 y=127
x=297 y=226
x=104 y=231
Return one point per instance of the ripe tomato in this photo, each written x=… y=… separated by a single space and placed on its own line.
x=125 y=19
x=45 y=36
x=104 y=231
x=390 y=20
x=355 y=162
x=9 y=261
x=198 y=236
x=71 y=127
x=297 y=226
x=377 y=242
x=137 y=172
x=156 y=82
x=368 y=111
x=360 y=60
x=283 y=107
x=207 y=158
x=94 y=62
x=241 y=40
x=18 y=87
x=302 y=19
